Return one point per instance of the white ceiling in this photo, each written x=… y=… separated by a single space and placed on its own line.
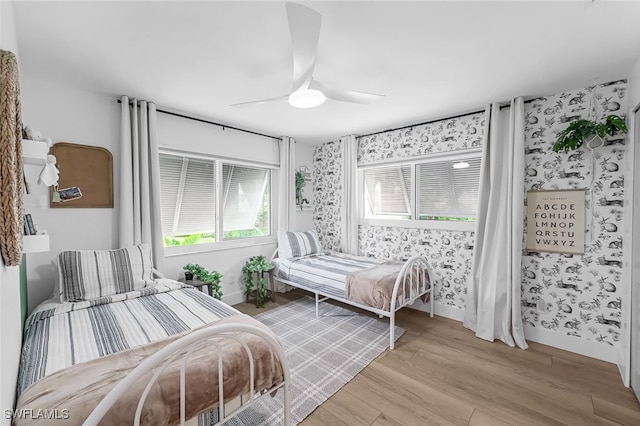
x=431 y=59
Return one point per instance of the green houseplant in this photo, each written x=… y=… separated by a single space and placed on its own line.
x=254 y=267
x=211 y=278
x=301 y=180
x=583 y=130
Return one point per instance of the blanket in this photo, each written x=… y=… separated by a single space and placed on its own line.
x=74 y=392
x=374 y=286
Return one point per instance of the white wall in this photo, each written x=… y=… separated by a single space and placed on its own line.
x=194 y=136
x=66 y=114
x=10 y=328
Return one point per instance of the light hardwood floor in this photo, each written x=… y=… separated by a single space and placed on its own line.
x=441 y=374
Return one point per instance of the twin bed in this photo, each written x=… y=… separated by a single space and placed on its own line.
x=370 y=284
x=89 y=354
x=117 y=346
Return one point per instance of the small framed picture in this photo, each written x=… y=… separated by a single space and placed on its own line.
x=68 y=194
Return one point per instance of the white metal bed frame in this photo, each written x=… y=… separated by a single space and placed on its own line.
x=413 y=273
x=213 y=335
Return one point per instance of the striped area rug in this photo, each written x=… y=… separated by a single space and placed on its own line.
x=324 y=354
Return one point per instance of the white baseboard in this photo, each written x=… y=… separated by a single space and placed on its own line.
x=442 y=310
x=233 y=298
x=577 y=345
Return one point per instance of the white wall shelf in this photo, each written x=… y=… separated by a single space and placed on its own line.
x=34 y=152
x=35 y=243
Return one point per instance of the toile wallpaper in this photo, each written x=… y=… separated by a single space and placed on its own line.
x=577 y=295
x=327 y=191
x=449 y=254
x=448 y=251
x=453 y=134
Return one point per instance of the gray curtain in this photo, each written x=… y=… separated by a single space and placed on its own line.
x=493 y=291
x=349 y=240
x=139 y=207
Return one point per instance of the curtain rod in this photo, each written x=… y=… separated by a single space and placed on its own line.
x=224 y=126
x=444 y=118
x=421 y=124
x=475 y=112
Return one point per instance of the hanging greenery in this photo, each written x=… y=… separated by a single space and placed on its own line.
x=301 y=180
x=579 y=130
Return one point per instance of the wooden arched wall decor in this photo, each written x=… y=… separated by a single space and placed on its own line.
x=90 y=168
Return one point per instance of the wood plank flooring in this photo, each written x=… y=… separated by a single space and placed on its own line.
x=441 y=374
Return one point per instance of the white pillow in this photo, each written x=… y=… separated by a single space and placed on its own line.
x=284 y=248
x=88 y=274
x=298 y=244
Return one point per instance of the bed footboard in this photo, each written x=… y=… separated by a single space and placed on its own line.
x=180 y=352
x=415 y=280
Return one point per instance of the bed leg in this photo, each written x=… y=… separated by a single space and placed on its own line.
x=432 y=300
x=317 y=303
x=392 y=331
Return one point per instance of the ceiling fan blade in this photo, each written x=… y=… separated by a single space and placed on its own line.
x=304 y=27
x=344 y=95
x=261 y=102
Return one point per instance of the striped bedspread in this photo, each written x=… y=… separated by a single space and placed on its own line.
x=326 y=272
x=58 y=335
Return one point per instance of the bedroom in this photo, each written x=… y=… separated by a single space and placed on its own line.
x=80 y=107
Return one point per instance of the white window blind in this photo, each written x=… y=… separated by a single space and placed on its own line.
x=447 y=191
x=245 y=206
x=388 y=191
x=187 y=187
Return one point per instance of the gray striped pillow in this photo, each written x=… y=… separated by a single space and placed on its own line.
x=88 y=274
x=304 y=243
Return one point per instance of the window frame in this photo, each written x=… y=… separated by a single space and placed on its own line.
x=414 y=222
x=220 y=243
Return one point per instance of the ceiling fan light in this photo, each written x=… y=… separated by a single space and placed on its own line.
x=460 y=165
x=308 y=98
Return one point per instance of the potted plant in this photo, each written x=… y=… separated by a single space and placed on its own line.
x=210 y=278
x=588 y=132
x=190 y=270
x=301 y=180
x=255 y=266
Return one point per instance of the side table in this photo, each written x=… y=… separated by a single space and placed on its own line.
x=271 y=294
x=200 y=285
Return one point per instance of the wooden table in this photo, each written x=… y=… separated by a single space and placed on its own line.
x=271 y=293
x=200 y=285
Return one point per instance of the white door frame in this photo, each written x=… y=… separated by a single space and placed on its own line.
x=631 y=315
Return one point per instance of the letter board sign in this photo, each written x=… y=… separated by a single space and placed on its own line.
x=555 y=221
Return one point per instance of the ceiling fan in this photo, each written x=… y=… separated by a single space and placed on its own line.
x=304 y=26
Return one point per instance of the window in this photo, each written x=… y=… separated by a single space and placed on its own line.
x=246 y=206
x=424 y=189
x=448 y=193
x=388 y=192
x=191 y=200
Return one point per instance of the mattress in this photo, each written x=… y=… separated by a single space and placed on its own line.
x=325 y=272
x=59 y=335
